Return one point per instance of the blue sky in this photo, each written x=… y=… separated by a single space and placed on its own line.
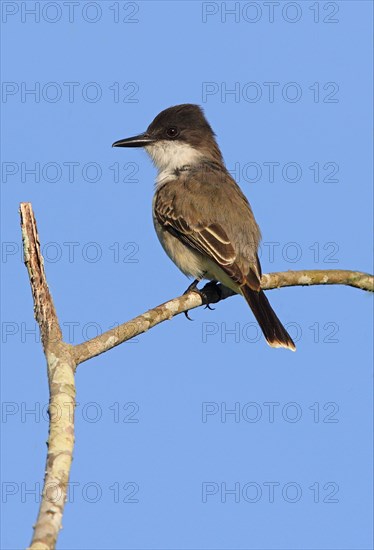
x=160 y=461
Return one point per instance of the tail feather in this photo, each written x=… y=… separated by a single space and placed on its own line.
x=274 y=332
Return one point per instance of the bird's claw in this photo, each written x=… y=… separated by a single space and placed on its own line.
x=186 y=314
x=192 y=288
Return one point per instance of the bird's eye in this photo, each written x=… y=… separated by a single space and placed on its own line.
x=172 y=132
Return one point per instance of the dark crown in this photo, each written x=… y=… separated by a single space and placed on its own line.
x=184 y=117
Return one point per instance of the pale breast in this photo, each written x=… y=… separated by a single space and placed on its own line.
x=189 y=261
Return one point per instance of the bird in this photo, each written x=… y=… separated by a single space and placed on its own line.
x=202 y=218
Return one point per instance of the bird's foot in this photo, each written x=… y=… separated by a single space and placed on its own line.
x=205 y=293
x=202 y=293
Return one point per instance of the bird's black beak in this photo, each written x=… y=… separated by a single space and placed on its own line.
x=137 y=141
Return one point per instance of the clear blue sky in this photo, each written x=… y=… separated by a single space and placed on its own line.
x=160 y=462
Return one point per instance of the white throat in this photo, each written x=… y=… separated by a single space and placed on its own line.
x=170 y=155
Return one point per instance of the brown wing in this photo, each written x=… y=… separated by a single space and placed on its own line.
x=209 y=239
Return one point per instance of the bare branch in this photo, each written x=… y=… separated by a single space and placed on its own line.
x=214 y=294
x=44 y=309
x=356 y=279
x=60 y=365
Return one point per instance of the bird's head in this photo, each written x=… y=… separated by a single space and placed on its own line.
x=178 y=136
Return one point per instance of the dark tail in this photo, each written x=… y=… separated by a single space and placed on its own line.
x=274 y=332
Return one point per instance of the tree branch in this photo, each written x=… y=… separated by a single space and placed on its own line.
x=356 y=279
x=63 y=358
x=192 y=300
x=60 y=367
